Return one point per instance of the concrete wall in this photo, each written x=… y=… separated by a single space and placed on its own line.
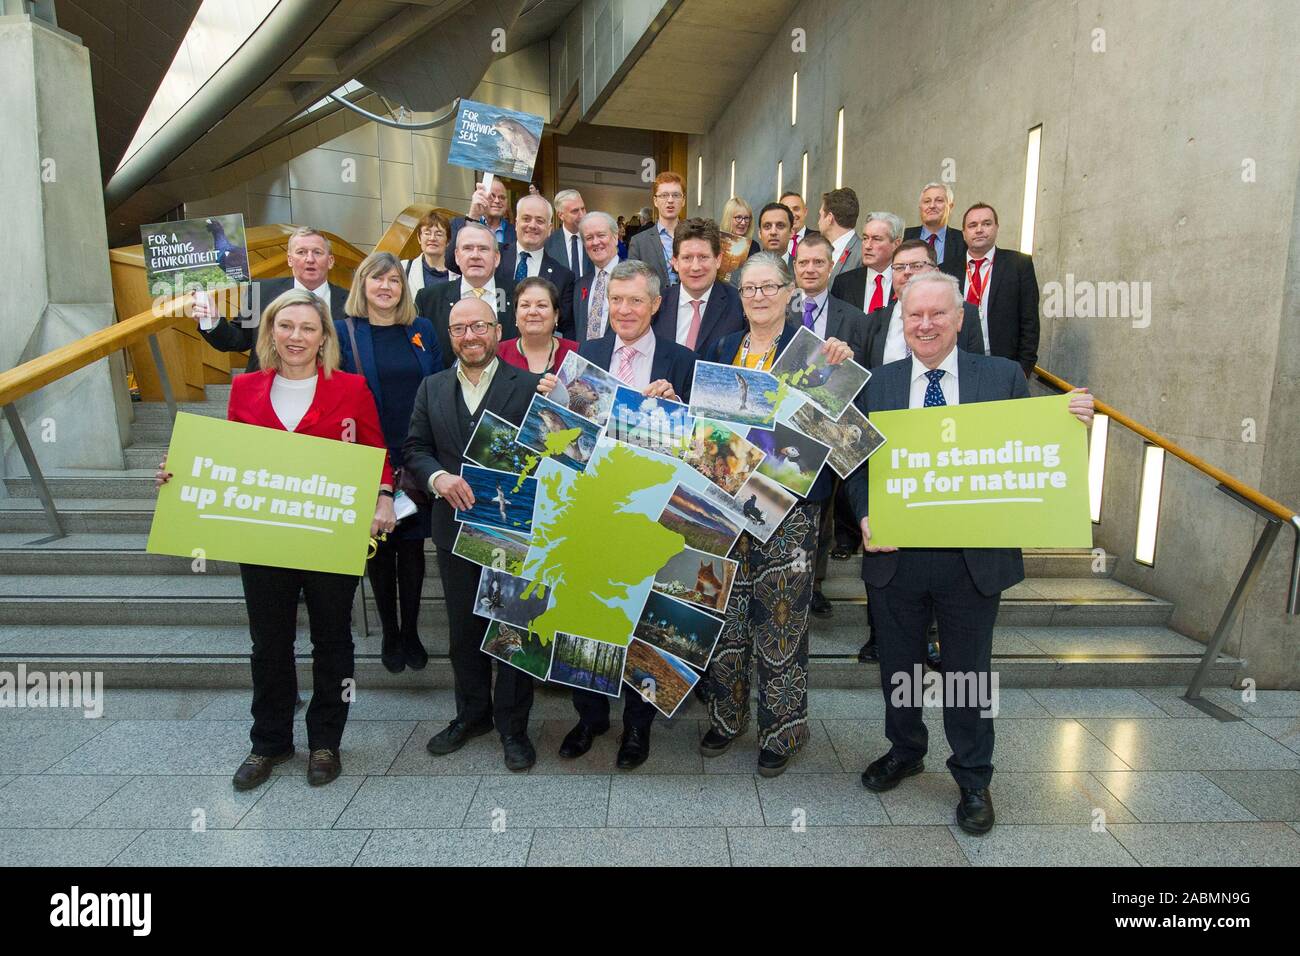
x=352 y=177
x=1163 y=161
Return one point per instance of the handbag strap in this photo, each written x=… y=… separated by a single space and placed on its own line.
x=352 y=340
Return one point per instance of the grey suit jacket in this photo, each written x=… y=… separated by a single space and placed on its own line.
x=980 y=378
x=645 y=245
x=850 y=258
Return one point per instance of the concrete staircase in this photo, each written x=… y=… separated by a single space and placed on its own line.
x=96 y=600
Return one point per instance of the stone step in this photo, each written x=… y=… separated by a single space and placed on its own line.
x=135 y=483
x=143 y=456
x=25 y=516
x=155 y=413
x=217 y=393
x=151 y=433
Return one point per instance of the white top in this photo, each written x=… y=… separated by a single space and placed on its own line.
x=534 y=261
x=895 y=343
x=986 y=273
x=886 y=284
x=291 y=398
x=838 y=247
x=568 y=251
x=797 y=234
x=947 y=384
x=641 y=364
x=685 y=313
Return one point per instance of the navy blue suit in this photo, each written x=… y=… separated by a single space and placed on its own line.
x=671 y=362
x=723 y=316
x=960 y=588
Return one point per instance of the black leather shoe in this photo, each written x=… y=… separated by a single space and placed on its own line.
x=415 y=655
x=975 y=811
x=772 y=764
x=820 y=607
x=519 y=752
x=256 y=770
x=841 y=554
x=578 y=740
x=714 y=744
x=633 y=748
x=885 y=773
x=867 y=653
x=323 y=766
x=456 y=736
x=392 y=656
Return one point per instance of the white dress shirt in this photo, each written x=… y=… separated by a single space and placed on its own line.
x=534 y=261
x=895 y=343
x=489 y=291
x=608 y=268
x=568 y=252
x=986 y=274
x=797 y=236
x=641 y=364
x=819 y=313
x=947 y=384
x=685 y=314
x=886 y=284
x=838 y=247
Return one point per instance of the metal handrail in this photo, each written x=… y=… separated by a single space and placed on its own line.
x=1274 y=513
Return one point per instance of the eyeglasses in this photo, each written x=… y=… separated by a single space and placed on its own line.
x=432 y=234
x=478 y=328
x=912 y=266
x=676 y=196
x=768 y=289
x=740 y=217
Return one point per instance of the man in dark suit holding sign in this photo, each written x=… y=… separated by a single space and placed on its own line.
x=961 y=587
x=448 y=407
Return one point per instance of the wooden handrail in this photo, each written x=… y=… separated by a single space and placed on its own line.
x=1257 y=498
x=22 y=380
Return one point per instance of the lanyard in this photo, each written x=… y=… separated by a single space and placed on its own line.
x=768 y=356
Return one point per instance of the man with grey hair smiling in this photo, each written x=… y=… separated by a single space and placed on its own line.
x=591 y=293
x=960 y=587
x=948 y=244
x=871 y=286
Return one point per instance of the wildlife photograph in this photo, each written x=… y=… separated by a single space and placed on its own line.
x=192 y=254
x=830 y=387
x=588 y=665
x=584 y=389
x=495 y=139
x=721 y=454
x=660 y=678
x=763 y=504
x=492 y=547
x=679 y=629
x=501 y=500
x=505 y=597
x=655 y=424
x=744 y=396
x=698 y=578
x=703 y=524
x=519 y=647
x=852 y=439
x=495 y=444
x=793 y=459
x=545 y=419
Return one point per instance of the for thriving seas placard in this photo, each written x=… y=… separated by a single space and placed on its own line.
x=264 y=496
x=497 y=140
x=194 y=254
x=1010 y=474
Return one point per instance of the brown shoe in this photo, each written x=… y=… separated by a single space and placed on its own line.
x=323 y=766
x=256 y=769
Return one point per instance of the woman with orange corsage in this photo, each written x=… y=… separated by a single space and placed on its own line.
x=383 y=339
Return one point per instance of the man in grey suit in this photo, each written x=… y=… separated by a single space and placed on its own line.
x=654 y=244
x=961 y=587
x=837 y=220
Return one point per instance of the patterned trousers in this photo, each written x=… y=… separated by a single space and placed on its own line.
x=767 y=618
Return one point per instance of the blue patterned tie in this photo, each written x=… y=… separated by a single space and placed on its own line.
x=933 y=393
x=521 y=270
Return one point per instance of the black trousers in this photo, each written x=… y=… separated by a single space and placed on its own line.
x=936 y=585
x=271 y=595
x=593 y=708
x=837 y=528
x=396 y=574
x=508 y=707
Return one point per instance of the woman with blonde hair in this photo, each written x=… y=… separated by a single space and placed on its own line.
x=299 y=389
x=738 y=244
x=383 y=339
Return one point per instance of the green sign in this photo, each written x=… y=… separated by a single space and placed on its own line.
x=1010 y=474
x=264 y=496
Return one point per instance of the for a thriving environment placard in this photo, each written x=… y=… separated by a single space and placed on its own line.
x=259 y=495
x=1010 y=474
x=194 y=254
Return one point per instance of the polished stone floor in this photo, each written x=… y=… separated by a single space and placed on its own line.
x=1085 y=777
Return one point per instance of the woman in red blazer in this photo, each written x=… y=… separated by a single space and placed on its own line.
x=300 y=389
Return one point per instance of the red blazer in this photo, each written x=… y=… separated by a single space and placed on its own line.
x=342 y=396
x=508 y=352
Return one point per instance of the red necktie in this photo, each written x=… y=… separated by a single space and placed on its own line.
x=975 y=288
x=878 y=297
x=931 y=239
x=794 y=247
